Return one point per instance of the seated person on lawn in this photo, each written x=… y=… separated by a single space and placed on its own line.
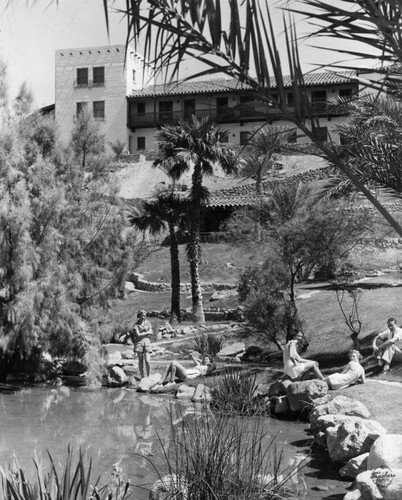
x=350 y=375
x=386 y=350
x=175 y=370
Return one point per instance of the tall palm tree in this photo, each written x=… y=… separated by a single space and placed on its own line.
x=194 y=145
x=239 y=39
x=166 y=211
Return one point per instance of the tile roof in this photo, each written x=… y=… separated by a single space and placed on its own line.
x=245 y=195
x=232 y=84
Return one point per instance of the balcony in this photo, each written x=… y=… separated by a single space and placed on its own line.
x=242 y=113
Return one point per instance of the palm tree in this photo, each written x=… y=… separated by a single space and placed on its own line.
x=259 y=155
x=194 y=145
x=234 y=47
x=371 y=145
x=169 y=211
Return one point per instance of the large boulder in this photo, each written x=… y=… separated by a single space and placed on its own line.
x=301 y=395
x=322 y=423
x=386 y=451
x=147 y=382
x=352 y=437
x=340 y=405
x=380 y=483
x=232 y=350
x=117 y=374
x=354 y=466
x=185 y=392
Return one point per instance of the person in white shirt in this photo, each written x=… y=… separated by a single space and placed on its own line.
x=385 y=351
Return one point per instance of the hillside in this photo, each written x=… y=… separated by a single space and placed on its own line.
x=141 y=179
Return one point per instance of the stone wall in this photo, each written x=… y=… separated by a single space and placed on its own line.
x=150 y=286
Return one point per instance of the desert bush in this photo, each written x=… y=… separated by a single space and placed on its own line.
x=117 y=147
x=236 y=394
x=73 y=482
x=209 y=343
x=225 y=458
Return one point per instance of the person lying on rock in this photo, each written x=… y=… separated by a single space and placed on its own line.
x=388 y=348
x=294 y=366
x=175 y=370
x=353 y=373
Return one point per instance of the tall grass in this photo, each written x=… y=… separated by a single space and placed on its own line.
x=224 y=458
x=236 y=394
x=209 y=343
x=73 y=482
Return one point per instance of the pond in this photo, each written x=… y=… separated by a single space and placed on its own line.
x=120 y=425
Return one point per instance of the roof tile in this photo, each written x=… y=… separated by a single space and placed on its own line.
x=232 y=84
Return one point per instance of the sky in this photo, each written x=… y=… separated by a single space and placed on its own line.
x=31 y=31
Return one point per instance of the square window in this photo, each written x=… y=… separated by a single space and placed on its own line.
x=244 y=137
x=80 y=106
x=99 y=109
x=165 y=110
x=289 y=99
x=98 y=75
x=224 y=137
x=345 y=93
x=321 y=133
x=82 y=76
x=140 y=108
x=140 y=143
x=319 y=96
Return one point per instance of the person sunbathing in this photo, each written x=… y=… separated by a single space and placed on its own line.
x=175 y=370
x=350 y=375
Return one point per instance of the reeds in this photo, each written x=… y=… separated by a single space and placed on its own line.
x=223 y=458
x=73 y=482
x=209 y=343
x=236 y=394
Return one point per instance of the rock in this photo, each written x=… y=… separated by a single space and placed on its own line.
x=252 y=351
x=380 y=483
x=340 y=405
x=114 y=358
x=353 y=495
x=352 y=437
x=223 y=294
x=354 y=466
x=302 y=394
x=322 y=423
x=169 y=388
x=202 y=394
x=185 y=392
x=129 y=286
x=278 y=388
x=386 y=451
x=188 y=330
x=232 y=349
x=127 y=354
x=281 y=405
x=147 y=382
x=169 y=487
x=118 y=375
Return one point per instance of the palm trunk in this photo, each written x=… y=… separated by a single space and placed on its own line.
x=175 y=314
x=194 y=247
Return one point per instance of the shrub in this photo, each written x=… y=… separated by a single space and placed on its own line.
x=117 y=147
x=225 y=458
x=72 y=483
x=209 y=343
x=235 y=394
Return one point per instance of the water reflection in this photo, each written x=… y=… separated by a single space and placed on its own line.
x=115 y=426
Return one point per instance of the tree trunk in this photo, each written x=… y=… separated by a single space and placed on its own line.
x=175 y=313
x=6 y=362
x=194 y=246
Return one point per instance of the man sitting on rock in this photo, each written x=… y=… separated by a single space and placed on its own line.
x=388 y=348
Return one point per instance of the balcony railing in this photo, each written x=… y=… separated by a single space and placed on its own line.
x=249 y=112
